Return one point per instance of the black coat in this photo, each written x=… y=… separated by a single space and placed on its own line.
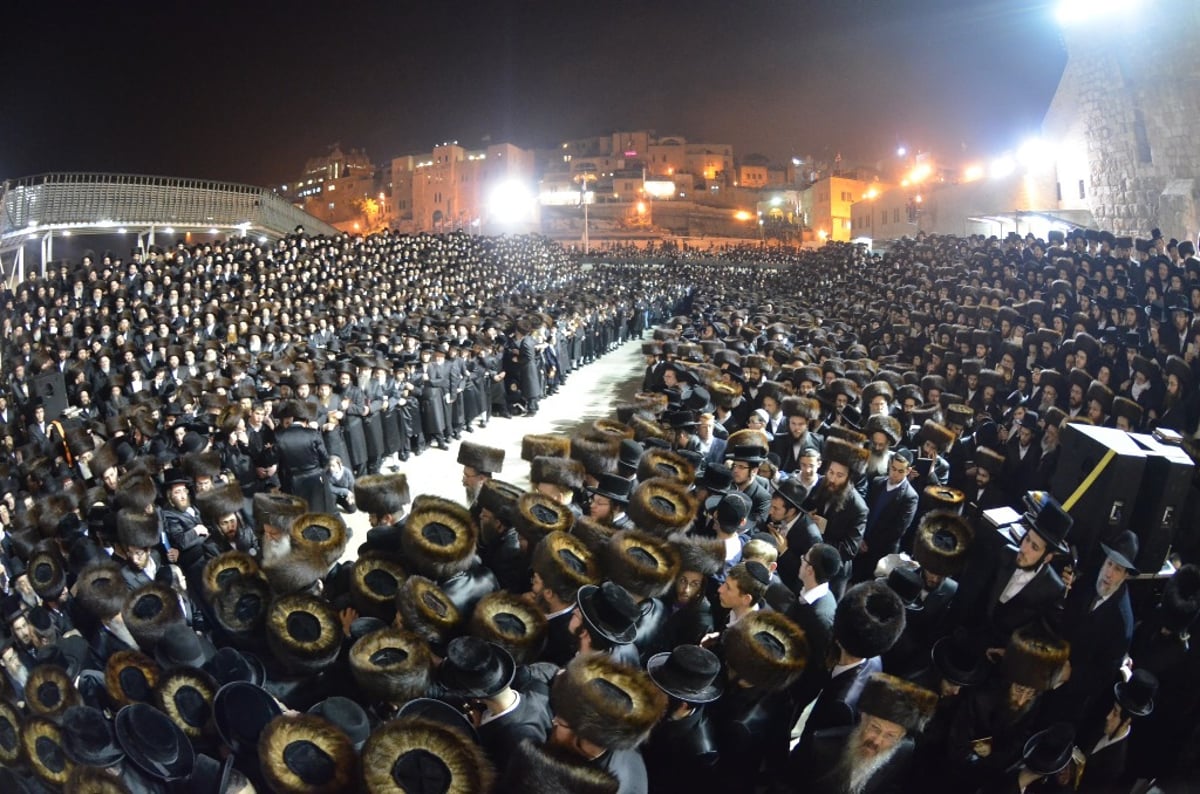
x=681 y=754
x=302 y=462
x=817 y=770
x=561 y=644
x=883 y=531
x=465 y=589
x=529 y=720
x=837 y=705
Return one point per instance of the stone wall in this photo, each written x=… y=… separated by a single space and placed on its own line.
x=1131 y=88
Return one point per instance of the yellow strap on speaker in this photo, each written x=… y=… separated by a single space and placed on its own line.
x=1088 y=480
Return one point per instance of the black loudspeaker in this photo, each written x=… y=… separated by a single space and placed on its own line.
x=1106 y=507
x=1160 y=501
x=51 y=387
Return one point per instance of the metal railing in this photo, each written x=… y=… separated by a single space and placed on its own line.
x=94 y=201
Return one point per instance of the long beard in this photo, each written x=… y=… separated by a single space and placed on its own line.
x=834 y=500
x=472 y=492
x=859 y=769
x=878 y=464
x=275 y=550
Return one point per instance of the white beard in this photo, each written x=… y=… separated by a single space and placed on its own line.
x=859 y=771
x=275 y=550
x=877 y=465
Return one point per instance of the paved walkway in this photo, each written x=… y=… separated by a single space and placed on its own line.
x=590 y=393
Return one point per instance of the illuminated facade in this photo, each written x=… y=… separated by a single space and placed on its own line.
x=451 y=187
x=335 y=186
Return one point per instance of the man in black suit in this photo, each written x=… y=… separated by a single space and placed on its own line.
x=842 y=509
x=1098 y=622
x=744 y=460
x=793 y=530
x=1018 y=586
x=1105 y=743
x=891 y=505
x=1022 y=455
x=801 y=414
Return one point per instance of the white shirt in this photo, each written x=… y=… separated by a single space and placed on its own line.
x=1105 y=741
x=838 y=669
x=733 y=616
x=811 y=596
x=1017 y=583
x=489 y=716
x=553 y=615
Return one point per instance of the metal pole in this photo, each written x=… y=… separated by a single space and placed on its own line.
x=583 y=198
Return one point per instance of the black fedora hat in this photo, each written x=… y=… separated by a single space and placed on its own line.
x=229 y=664
x=88 y=737
x=1049 y=520
x=241 y=710
x=1049 y=751
x=958 y=661
x=153 y=743
x=441 y=712
x=688 y=673
x=609 y=610
x=347 y=715
x=475 y=668
x=614 y=487
x=717 y=478
x=906 y=582
x=182 y=647
x=1123 y=550
x=1137 y=694
x=793 y=492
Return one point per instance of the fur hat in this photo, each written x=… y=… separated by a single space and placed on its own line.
x=805 y=407
x=500 y=499
x=296 y=572
x=594 y=534
x=644 y=428
x=545 y=446
x=748 y=437
x=699 y=555
x=10 y=729
x=322 y=535
x=766 y=650
x=1036 y=657
x=278 y=510
x=305 y=753
x=135 y=493
x=42 y=741
x=185 y=694
x=899 y=701
x=941 y=436
x=890 y=427
x=989 y=460
x=425 y=609
x=538 y=515
x=560 y=471
x=510 y=622
x=137 y=530
x=418 y=754
x=607 y=703
x=46 y=574
x=1123 y=406
x=597 y=454
x=239 y=609
x=49 y=691
x=564 y=564
x=663 y=463
x=104 y=458
x=304 y=632
x=382 y=494
x=1101 y=394
x=942 y=542
x=130 y=677
x=611 y=427
x=149 y=611
x=547 y=769
x=392 y=665
x=101 y=590
x=374 y=581
x=959 y=415
x=482 y=459
x=661 y=505
x=439 y=537
x=221 y=571
x=641 y=563
x=852 y=456
x=216 y=503
x=869 y=620
x=201 y=465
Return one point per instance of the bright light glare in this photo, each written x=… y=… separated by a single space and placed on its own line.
x=742 y=215
x=972 y=173
x=824 y=235
x=871 y=193
x=1074 y=11
x=1002 y=167
x=1034 y=154
x=920 y=173
x=213 y=230
x=776 y=201
x=169 y=230
x=510 y=202
x=66 y=232
x=901 y=152
x=797 y=161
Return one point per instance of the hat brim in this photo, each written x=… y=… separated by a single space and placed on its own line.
x=707 y=695
x=1138 y=711
x=1120 y=559
x=948 y=670
x=586 y=594
x=508 y=669
x=179 y=768
x=618 y=498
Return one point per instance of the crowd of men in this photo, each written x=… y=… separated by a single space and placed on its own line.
x=772 y=570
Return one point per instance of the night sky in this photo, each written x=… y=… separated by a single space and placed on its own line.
x=247 y=91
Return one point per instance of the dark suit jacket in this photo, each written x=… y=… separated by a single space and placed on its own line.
x=992 y=622
x=817 y=769
x=846 y=525
x=760 y=501
x=1099 y=641
x=784 y=446
x=837 y=705
x=883 y=534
